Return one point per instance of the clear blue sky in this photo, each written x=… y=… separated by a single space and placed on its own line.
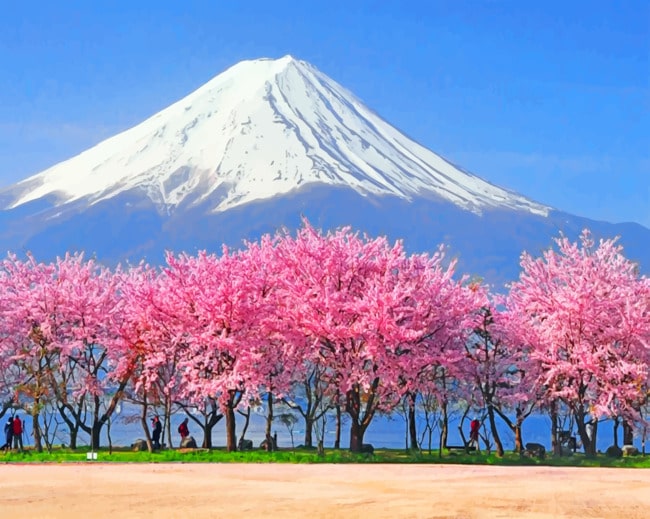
x=551 y=98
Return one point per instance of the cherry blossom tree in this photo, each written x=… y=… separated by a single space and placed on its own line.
x=269 y=359
x=85 y=330
x=374 y=315
x=27 y=303
x=148 y=328
x=328 y=320
x=58 y=323
x=584 y=313
x=11 y=375
x=156 y=324
x=452 y=313
x=497 y=367
x=218 y=303
x=329 y=286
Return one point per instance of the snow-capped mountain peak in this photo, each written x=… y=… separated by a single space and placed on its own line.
x=259 y=129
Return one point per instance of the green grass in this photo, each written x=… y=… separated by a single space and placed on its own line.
x=219 y=455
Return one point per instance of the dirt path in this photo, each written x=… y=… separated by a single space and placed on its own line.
x=194 y=491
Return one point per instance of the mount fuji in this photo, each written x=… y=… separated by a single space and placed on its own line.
x=257 y=148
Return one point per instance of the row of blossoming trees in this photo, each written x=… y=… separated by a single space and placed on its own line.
x=325 y=322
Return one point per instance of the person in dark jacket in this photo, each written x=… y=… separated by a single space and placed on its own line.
x=9 y=434
x=157 y=430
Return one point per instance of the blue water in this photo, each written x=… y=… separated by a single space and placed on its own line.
x=384 y=431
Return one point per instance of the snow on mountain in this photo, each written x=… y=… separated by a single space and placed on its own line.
x=260 y=129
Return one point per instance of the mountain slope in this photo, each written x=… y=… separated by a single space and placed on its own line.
x=257 y=148
x=260 y=129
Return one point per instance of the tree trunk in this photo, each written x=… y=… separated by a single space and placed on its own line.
x=309 y=426
x=519 y=442
x=212 y=419
x=167 y=431
x=616 y=424
x=73 y=429
x=247 y=421
x=353 y=408
x=444 y=426
x=269 y=422
x=74 y=433
x=518 y=426
x=588 y=443
x=95 y=433
x=628 y=433
x=234 y=397
x=337 y=436
x=231 y=438
x=100 y=420
x=145 y=426
x=413 y=435
x=356 y=436
x=108 y=435
x=406 y=433
x=36 y=426
x=207 y=434
x=73 y=425
x=494 y=431
x=555 y=443
x=360 y=419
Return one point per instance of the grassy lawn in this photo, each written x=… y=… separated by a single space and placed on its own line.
x=219 y=455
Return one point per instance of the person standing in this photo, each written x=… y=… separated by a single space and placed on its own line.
x=157 y=430
x=18 y=433
x=9 y=434
x=474 y=429
x=184 y=430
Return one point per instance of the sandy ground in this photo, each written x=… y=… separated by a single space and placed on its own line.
x=195 y=491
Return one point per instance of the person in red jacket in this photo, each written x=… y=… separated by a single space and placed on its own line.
x=18 y=434
x=183 y=430
x=474 y=429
